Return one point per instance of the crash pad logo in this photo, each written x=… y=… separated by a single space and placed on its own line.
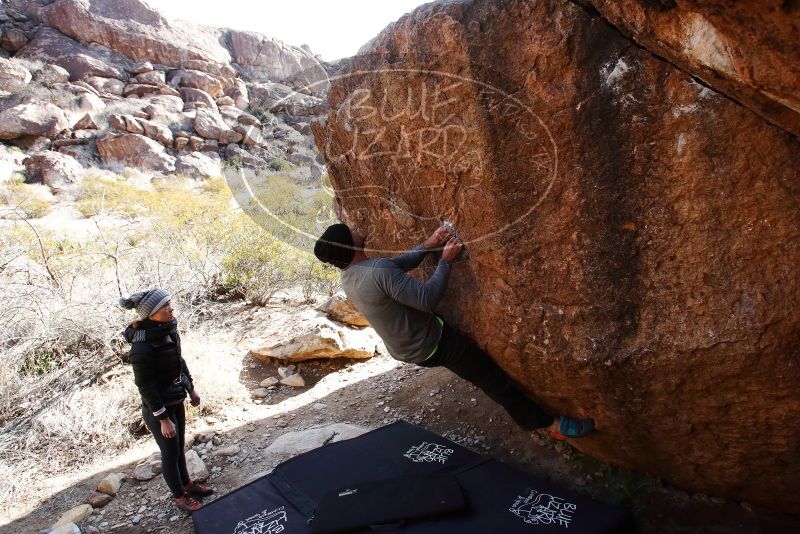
x=428 y=452
x=266 y=522
x=543 y=509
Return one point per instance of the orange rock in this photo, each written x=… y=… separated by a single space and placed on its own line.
x=634 y=235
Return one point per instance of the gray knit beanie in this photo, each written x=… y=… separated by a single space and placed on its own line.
x=145 y=302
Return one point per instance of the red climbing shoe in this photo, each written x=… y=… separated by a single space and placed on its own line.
x=197 y=489
x=188 y=503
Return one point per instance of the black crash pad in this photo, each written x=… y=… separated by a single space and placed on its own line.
x=500 y=497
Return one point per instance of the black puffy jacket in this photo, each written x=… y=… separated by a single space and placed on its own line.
x=157 y=362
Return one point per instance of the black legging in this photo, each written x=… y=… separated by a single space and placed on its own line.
x=461 y=356
x=173 y=459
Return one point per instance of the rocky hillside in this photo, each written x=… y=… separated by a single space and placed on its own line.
x=625 y=176
x=113 y=83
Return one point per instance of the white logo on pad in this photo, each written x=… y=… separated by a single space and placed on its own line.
x=543 y=509
x=266 y=522
x=428 y=452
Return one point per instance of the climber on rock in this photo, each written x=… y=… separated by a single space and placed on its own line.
x=401 y=310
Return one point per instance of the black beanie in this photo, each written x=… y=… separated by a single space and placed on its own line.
x=335 y=246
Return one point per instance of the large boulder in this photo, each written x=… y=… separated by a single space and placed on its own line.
x=52 y=46
x=265 y=58
x=135 y=30
x=133 y=150
x=198 y=165
x=53 y=169
x=209 y=124
x=747 y=50
x=193 y=95
x=198 y=80
x=322 y=339
x=634 y=235
x=33 y=119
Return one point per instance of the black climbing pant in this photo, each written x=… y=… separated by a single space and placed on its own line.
x=173 y=459
x=465 y=359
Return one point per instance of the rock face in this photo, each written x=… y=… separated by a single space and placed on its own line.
x=746 y=50
x=51 y=46
x=634 y=235
x=135 y=30
x=264 y=58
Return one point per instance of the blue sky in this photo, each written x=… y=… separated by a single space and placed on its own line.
x=332 y=28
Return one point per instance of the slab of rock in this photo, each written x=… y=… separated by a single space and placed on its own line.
x=13 y=76
x=195 y=79
x=747 y=50
x=196 y=467
x=340 y=309
x=260 y=393
x=81 y=61
x=633 y=233
x=227 y=452
x=135 y=30
x=74 y=515
x=218 y=69
x=53 y=169
x=198 y=165
x=322 y=339
x=209 y=124
x=111 y=483
x=267 y=382
x=204 y=436
x=98 y=500
x=295 y=381
x=294 y=443
x=225 y=101
x=192 y=95
x=86 y=123
x=134 y=150
x=147 y=470
x=180 y=143
x=153 y=77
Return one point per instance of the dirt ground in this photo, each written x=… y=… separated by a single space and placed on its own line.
x=368 y=393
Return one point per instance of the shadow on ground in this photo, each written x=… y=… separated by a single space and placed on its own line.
x=436 y=400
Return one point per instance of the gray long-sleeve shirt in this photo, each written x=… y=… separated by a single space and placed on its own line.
x=398 y=306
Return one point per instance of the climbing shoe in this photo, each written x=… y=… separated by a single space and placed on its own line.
x=197 y=489
x=572 y=428
x=188 y=503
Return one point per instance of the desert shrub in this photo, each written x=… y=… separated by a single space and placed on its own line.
x=102 y=195
x=30 y=201
x=281 y=165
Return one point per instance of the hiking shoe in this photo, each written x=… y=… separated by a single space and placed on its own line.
x=199 y=490
x=572 y=428
x=188 y=503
